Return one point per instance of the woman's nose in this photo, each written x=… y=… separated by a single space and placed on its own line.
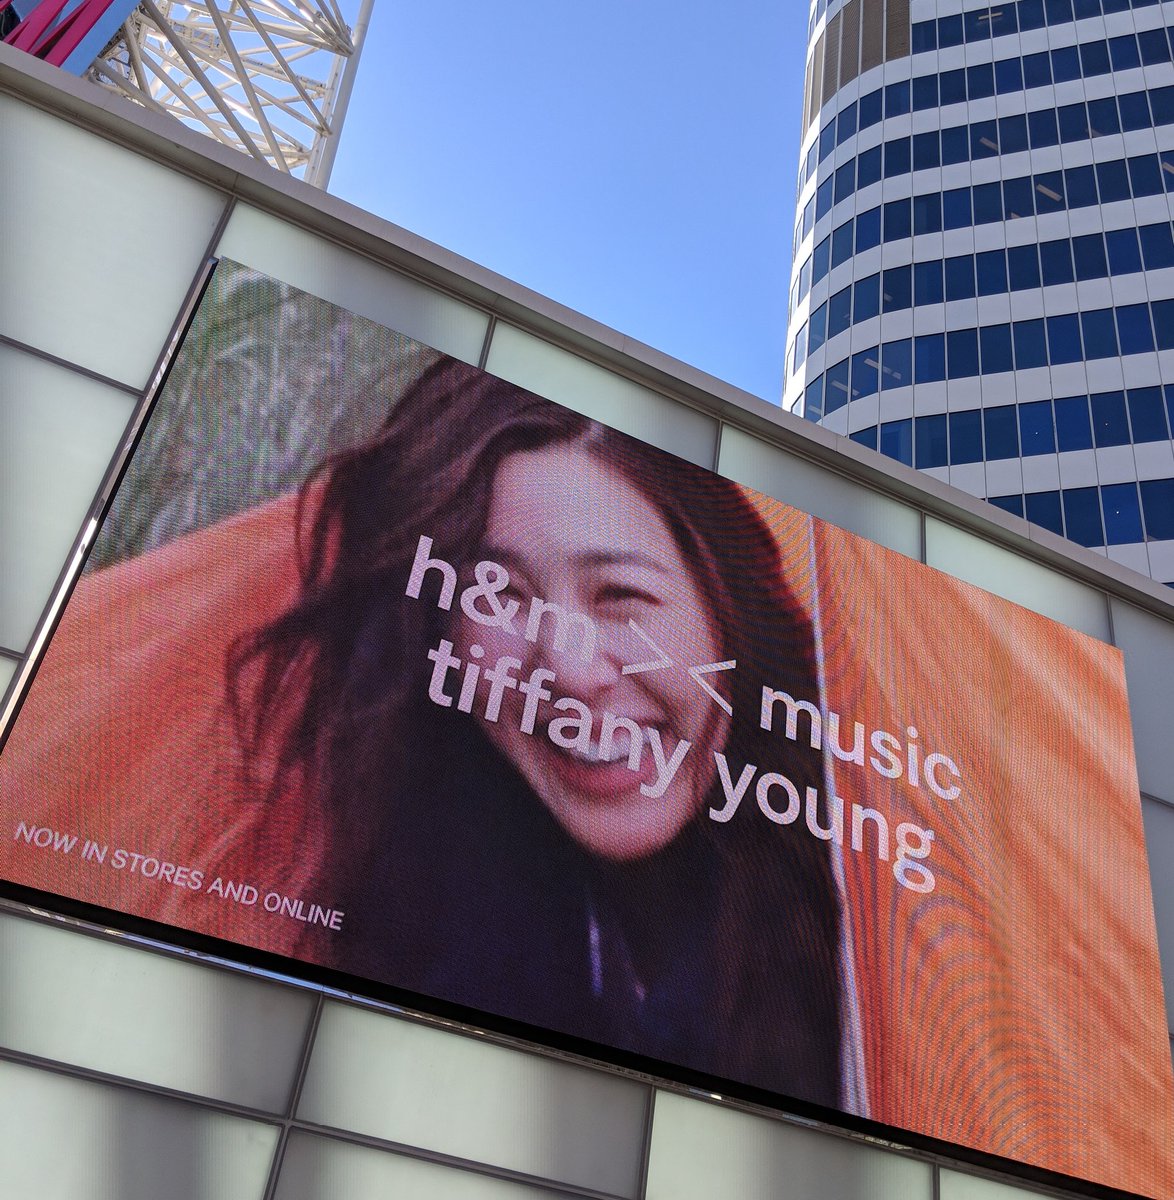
x=582 y=653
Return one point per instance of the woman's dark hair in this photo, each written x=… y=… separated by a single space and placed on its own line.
x=334 y=692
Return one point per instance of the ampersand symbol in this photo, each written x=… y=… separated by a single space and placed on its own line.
x=491 y=580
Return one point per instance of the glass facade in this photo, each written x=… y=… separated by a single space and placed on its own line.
x=988 y=221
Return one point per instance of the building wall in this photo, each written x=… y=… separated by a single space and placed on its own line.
x=135 y=1070
x=983 y=283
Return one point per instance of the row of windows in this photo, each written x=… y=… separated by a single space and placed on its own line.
x=981 y=24
x=1115 y=514
x=989 y=273
x=1040 y=427
x=1109 y=515
x=1100 y=57
x=989 y=139
x=989 y=203
x=992 y=349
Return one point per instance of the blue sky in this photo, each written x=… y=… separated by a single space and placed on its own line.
x=635 y=161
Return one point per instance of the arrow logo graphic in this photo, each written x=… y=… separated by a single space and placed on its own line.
x=659 y=663
x=705 y=686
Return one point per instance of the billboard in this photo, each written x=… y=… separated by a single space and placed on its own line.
x=387 y=667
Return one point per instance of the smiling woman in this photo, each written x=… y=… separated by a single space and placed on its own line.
x=487 y=688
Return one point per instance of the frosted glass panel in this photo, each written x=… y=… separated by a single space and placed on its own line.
x=101 y=244
x=128 y=1012
x=702 y=1151
x=795 y=481
x=316 y=1168
x=1006 y=574
x=595 y=392
x=473 y=1100
x=956 y=1186
x=356 y=283
x=58 y=432
x=68 y=1139
x=1159 y=839
x=1148 y=644
x=7 y=670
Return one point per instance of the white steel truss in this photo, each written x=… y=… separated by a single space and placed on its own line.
x=269 y=77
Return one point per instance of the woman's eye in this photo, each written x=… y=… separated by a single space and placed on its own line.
x=624 y=596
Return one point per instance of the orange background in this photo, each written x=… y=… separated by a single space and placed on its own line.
x=1017 y=1008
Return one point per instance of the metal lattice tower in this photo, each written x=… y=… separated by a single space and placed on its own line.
x=269 y=77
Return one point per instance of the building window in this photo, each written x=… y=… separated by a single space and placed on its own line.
x=1056 y=262
x=1112 y=181
x=995 y=345
x=1110 y=425
x=896 y=364
x=927 y=282
x=965 y=436
x=930 y=438
x=896 y=440
x=1030 y=348
x=1011 y=504
x=1157 y=502
x=865 y=370
x=962 y=353
x=839 y=312
x=813 y=400
x=927 y=213
x=818 y=328
x=1023 y=267
x=1164 y=323
x=1157 y=246
x=1122 y=514
x=1064 y=338
x=868 y=168
x=897 y=289
x=1147 y=416
x=1135 y=333
x=835 y=393
x=898 y=220
x=1082 y=516
x=992 y=272
x=1043 y=508
x=929 y=358
x=1073 y=428
x=866 y=298
x=1001 y=432
x=868 y=230
x=1124 y=252
x=1089 y=254
x=960 y=277
x=1100 y=333
x=1036 y=432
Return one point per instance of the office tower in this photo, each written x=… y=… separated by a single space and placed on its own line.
x=983 y=281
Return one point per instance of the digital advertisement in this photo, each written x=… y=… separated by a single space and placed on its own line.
x=389 y=667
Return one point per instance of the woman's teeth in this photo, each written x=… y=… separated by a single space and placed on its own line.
x=592 y=754
x=617 y=751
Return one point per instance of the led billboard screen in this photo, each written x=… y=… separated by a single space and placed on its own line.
x=390 y=668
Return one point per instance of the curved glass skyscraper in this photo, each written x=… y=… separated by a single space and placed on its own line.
x=983 y=281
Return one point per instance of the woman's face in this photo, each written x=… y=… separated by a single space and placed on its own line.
x=574 y=532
